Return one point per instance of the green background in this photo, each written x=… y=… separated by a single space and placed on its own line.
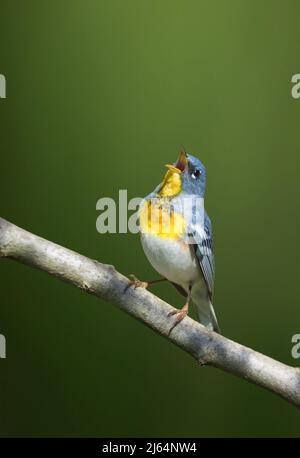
x=100 y=95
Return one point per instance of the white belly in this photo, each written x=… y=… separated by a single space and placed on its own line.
x=172 y=259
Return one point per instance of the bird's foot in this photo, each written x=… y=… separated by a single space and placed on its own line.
x=180 y=315
x=136 y=283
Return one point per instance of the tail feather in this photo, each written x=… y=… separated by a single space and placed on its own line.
x=206 y=314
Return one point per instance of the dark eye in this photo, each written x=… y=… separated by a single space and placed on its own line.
x=196 y=174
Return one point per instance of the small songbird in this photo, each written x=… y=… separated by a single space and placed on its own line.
x=176 y=236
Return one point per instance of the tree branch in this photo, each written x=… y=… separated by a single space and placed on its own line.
x=105 y=282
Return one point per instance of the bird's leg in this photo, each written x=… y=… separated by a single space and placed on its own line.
x=182 y=313
x=136 y=283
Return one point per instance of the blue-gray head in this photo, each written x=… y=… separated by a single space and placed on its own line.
x=187 y=175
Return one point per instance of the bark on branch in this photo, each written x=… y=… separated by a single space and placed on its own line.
x=105 y=282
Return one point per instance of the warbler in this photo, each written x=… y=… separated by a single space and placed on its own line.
x=176 y=235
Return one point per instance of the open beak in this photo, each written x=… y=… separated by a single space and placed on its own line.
x=181 y=163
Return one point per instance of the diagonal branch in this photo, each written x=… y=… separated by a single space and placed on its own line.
x=105 y=282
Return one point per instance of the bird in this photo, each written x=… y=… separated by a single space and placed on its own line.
x=176 y=236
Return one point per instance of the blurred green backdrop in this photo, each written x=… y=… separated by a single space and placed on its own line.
x=100 y=95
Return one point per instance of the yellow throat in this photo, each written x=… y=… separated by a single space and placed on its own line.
x=171 y=185
x=157 y=217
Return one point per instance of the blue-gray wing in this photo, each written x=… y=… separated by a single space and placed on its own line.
x=203 y=248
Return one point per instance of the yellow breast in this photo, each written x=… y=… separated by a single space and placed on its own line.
x=159 y=219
